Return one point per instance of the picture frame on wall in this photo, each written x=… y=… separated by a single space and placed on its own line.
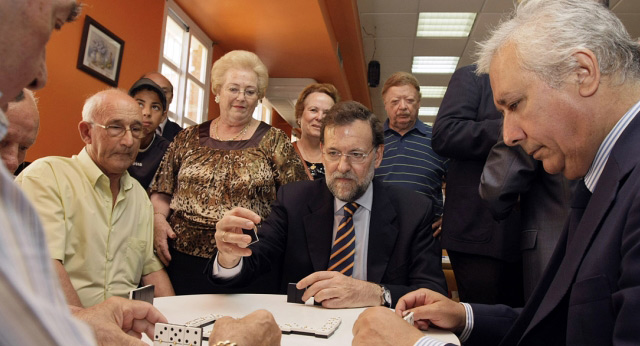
x=100 y=52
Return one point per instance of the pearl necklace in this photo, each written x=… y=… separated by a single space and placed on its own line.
x=239 y=135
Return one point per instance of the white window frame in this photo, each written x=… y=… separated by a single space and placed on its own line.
x=180 y=90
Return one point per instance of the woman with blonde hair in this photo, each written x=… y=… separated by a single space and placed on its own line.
x=210 y=168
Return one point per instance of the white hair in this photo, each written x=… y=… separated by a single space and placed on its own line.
x=546 y=33
x=96 y=104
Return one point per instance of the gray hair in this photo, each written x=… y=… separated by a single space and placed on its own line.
x=96 y=104
x=545 y=34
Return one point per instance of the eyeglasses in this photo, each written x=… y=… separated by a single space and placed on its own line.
x=118 y=130
x=352 y=157
x=248 y=93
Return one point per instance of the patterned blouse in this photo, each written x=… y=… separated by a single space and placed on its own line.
x=206 y=178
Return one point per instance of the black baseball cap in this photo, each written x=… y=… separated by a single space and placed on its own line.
x=148 y=84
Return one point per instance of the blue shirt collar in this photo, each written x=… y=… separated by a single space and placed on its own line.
x=418 y=126
x=366 y=200
x=597 y=166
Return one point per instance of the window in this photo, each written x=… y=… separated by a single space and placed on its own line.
x=186 y=62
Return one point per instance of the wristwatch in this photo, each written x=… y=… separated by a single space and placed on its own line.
x=385 y=297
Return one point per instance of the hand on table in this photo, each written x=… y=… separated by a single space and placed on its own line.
x=119 y=321
x=381 y=326
x=231 y=242
x=257 y=328
x=437 y=227
x=336 y=290
x=161 y=232
x=432 y=307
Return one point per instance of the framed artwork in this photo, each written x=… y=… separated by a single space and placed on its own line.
x=100 y=52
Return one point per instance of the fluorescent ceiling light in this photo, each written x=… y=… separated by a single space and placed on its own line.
x=434 y=64
x=445 y=24
x=428 y=111
x=432 y=92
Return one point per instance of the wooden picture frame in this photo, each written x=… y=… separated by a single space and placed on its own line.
x=100 y=52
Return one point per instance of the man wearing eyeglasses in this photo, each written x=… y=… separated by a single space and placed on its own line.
x=97 y=218
x=350 y=240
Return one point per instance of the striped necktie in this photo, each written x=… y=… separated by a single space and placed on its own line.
x=344 y=247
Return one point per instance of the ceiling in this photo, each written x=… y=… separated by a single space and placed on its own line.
x=331 y=41
x=317 y=39
x=390 y=27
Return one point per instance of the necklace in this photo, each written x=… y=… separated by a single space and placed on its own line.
x=308 y=158
x=239 y=135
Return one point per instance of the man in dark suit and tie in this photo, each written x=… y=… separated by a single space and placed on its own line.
x=566 y=75
x=352 y=240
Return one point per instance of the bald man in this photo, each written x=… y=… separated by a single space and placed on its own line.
x=113 y=238
x=24 y=121
x=167 y=129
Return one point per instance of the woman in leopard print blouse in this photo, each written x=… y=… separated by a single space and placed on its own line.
x=210 y=168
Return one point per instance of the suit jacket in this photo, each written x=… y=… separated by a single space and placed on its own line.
x=590 y=292
x=511 y=178
x=170 y=130
x=402 y=253
x=467 y=126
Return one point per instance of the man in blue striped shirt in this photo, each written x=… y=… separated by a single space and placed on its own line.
x=408 y=159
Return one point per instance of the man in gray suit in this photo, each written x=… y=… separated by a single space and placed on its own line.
x=511 y=176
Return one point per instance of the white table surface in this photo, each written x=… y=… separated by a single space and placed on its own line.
x=180 y=309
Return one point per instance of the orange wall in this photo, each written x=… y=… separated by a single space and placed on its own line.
x=138 y=23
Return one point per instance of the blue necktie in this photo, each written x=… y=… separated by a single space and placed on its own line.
x=344 y=247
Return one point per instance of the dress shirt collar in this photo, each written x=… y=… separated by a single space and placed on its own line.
x=160 y=127
x=418 y=126
x=93 y=172
x=4 y=123
x=366 y=200
x=597 y=166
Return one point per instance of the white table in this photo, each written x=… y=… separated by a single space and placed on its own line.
x=181 y=309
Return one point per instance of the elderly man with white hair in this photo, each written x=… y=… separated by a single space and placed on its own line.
x=98 y=219
x=566 y=76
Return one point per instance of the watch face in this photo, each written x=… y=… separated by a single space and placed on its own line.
x=387 y=297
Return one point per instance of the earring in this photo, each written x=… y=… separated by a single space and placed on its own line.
x=217 y=99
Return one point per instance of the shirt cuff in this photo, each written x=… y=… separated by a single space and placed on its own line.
x=468 y=328
x=220 y=272
x=428 y=341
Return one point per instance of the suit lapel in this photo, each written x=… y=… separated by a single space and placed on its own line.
x=622 y=160
x=589 y=225
x=382 y=233
x=318 y=226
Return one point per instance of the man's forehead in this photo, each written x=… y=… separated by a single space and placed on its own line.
x=405 y=90
x=358 y=131
x=505 y=75
x=121 y=111
x=23 y=111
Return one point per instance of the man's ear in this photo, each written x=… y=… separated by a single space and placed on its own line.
x=587 y=72
x=85 y=131
x=379 y=152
